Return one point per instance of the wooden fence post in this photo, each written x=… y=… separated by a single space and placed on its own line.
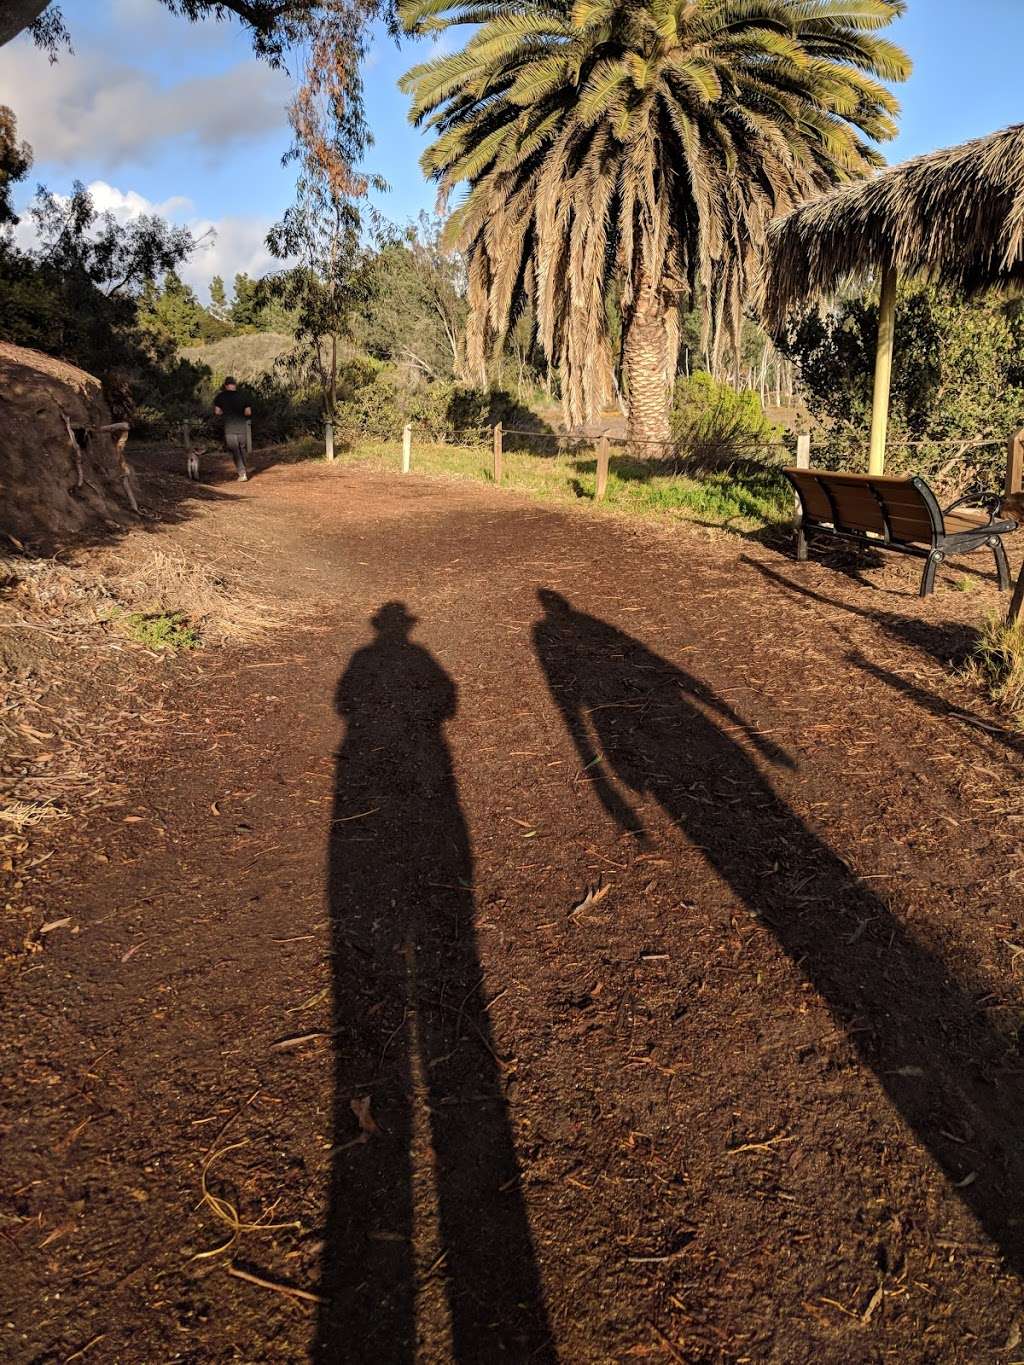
x=1015 y=464
x=498 y=452
x=1017 y=602
x=803 y=461
x=601 y=486
x=329 y=440
x=248 y=436
x=407 y=448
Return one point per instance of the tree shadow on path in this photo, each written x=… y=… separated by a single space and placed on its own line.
x=646 y=729
x=411 y=1032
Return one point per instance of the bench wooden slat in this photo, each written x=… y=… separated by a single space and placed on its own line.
x=913 y=531
x=856 y=507
x=815 y=500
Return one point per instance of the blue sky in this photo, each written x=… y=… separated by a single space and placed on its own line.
x=155 y=111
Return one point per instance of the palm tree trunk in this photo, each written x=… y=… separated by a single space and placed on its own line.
x=645 y=360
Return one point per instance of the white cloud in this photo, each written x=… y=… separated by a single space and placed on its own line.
x=226 y=246
x=90 y=107
x=128 y=204
x=236 y=244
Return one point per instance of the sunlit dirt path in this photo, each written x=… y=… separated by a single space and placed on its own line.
x=333 y=960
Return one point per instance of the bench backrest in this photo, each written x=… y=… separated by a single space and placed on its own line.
x=901 y=509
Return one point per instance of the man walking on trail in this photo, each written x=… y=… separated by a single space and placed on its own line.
x=230 y=405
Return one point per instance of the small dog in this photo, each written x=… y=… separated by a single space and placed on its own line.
x=192 y=463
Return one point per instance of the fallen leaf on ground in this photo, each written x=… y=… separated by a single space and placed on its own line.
x=876 y=1299
x=297 y=1040
x=594 y=896
x=55 y=924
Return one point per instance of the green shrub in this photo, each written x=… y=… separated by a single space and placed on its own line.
x=714 y=426
x=161 y=630
x=443 y=411
x=375 y=411
x=957 y=382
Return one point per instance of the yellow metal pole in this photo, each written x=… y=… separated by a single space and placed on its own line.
x=883 y=371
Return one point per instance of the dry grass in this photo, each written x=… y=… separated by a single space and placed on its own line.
x=68 y=699
x=997 y=666
x=246 y=357
x=18 y=815
x=47 y=594
x=210 y=597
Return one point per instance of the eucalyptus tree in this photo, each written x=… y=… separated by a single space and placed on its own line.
x=636 y=150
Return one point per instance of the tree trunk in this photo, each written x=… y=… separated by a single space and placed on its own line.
x=645 y=360
x=16 y=15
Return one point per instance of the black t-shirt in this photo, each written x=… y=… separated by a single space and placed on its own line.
x=231 y=403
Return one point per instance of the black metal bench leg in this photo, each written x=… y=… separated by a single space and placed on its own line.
x=928 y=577
x=801 y=545
x=1002 y=568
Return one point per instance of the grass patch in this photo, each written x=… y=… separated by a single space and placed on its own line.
x=996 y=664
x=160 y=630
x=742 y=499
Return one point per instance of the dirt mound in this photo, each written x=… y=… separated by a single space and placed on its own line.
x=59 y=470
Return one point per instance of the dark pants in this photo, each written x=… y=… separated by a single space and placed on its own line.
x=234 y=439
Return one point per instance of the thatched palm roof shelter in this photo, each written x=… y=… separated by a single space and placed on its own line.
x=953 y=217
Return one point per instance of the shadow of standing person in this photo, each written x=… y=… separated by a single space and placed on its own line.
x=410 y=1025
x=645 y=728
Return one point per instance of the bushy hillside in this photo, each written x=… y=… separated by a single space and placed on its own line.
x=247 y=356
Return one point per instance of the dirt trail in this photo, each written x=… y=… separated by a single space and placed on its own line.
x=758 y=1100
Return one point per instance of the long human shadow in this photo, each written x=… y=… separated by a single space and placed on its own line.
x=945 y=642
x=646 y=729
x=411 y=1037
x=940 y=707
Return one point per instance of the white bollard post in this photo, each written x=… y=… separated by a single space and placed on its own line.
x=407 y=448
x=803 y=461
x=329 y=440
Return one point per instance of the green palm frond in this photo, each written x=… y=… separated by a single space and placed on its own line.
x=640 y=147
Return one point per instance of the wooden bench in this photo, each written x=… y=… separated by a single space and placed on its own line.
x=900 y=514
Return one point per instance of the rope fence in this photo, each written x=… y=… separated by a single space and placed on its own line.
x=713 y=456
x=716 y=453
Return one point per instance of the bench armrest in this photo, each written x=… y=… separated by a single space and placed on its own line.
x=978 y=496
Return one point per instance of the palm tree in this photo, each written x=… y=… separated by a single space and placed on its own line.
x=638 y=149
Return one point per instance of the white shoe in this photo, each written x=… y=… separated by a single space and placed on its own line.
x=243 y=477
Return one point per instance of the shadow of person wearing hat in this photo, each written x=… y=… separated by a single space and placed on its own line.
x=412 y=1034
